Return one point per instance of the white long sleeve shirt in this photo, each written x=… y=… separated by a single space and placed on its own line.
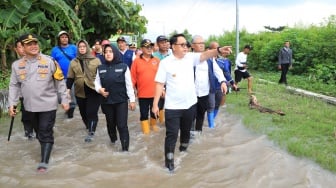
x=202 y=83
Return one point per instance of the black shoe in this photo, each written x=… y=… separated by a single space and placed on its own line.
x=237 y=89
x=89 y=138
x=183 y=148
x=124 y=145
x=170 y=165
x=29 y=135
x=70 y=113
x=169 y=161
x=124 y=148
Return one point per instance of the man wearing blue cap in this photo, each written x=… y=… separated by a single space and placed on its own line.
x=127 y=55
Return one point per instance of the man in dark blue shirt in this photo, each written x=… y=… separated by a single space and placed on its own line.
x=127 y=55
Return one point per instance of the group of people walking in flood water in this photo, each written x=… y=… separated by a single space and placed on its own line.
x=172 y=85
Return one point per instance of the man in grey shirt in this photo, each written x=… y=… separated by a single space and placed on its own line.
x=285 y=61
x=39 y=80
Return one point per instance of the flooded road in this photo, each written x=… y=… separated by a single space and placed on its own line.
x=227 y=156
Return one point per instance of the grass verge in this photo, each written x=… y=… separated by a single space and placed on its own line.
x=307 y=130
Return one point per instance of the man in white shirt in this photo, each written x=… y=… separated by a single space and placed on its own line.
x=177 y=73
x=206 y=74
x=241 y=68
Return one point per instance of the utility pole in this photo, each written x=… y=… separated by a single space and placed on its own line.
x=237 y=28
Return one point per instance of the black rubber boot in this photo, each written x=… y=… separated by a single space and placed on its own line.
x=124 y=145
x=70 y=112
x=92 y=129
x=45 y=155
x=169 y=158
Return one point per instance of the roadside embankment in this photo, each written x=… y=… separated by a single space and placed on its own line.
x=328 y=99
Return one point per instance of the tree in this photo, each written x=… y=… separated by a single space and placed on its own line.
x=186 y=33
x=275 y=29
x=111 y=16
x=79 y=18
x=10 y=17
x=43 y=18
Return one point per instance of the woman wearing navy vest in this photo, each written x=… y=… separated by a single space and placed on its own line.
x=113 y=82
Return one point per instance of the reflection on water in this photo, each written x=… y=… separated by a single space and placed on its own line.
x=227 y=156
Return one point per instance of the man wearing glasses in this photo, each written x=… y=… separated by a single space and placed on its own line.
x=207 y=75
x=177 y=73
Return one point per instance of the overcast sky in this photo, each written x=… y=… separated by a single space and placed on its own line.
x=212 y=17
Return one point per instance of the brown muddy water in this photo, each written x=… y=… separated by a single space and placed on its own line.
x=227 y=156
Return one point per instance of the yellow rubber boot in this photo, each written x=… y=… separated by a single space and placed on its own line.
x=145 y=126
x=161 y=116
x=153 y=125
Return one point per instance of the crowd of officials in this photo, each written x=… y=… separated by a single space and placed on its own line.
x=176 y=82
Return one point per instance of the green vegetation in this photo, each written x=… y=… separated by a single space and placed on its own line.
x=82 y=19
x=302 y=82
x=307 y=130
x=314 y=50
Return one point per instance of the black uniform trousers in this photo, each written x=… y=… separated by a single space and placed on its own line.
x=180 y=119
x=202 y=106
x=43 y=123
x=25 y=119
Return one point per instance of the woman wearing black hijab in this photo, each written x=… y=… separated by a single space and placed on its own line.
x=113 y=82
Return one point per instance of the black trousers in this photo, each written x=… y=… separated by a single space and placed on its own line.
x=25 y=119
x=202 y=106
x=116 y=116
x=89 y=106
x=284 y=71
x=43 y=123
x=145 y=105
x=161 y=103
x=178 y=120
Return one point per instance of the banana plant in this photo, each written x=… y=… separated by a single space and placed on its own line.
x=42 y=17
x=11 y=14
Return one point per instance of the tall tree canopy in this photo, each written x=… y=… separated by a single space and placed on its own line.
x=81 y=18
